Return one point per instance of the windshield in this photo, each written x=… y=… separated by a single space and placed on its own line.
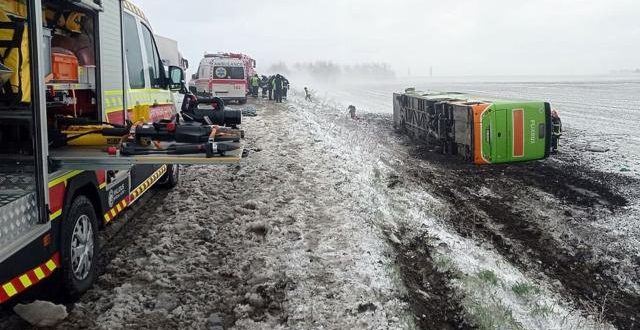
x=228 y=72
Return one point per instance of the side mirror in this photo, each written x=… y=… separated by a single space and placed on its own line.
x=176 y=78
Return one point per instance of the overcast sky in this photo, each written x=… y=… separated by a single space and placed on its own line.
x=457 y=37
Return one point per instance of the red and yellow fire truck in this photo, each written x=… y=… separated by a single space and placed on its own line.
x=80 y=61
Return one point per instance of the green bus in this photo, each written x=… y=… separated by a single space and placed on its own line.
x=480 y=130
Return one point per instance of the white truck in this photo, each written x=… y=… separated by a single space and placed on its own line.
x=170 y=55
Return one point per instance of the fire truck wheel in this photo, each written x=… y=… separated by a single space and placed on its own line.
x=171 y=178
x=79 y=248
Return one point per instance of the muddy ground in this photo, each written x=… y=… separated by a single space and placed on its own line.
x=332 y=224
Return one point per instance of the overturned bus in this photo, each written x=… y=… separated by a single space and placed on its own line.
x=481 y=131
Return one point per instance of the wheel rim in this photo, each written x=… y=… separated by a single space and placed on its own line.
x=82 y=248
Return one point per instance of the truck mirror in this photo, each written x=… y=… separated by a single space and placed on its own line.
x=176 y=78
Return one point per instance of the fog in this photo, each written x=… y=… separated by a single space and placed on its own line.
x=452 y=38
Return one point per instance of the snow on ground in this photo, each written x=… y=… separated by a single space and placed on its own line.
x=600 y=116
x=297 y=237
x=408 y=205
x=283 y=240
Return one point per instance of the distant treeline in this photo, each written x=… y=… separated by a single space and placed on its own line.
x=636 y=71
x=327 y=70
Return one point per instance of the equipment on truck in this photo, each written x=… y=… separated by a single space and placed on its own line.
x=479 y=130
x=210 y=111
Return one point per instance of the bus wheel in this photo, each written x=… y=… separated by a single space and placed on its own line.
x=171 y=178
x=79 y=249
x=242 y=101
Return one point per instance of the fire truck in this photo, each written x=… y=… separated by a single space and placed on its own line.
x=75 y=74
x=224 y=75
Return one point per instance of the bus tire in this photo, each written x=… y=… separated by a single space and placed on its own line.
x=79 y=247
x=242 y=101
x=172 y=178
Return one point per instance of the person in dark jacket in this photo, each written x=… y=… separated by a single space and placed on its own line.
x=263 y=84
x=352 y=112
x=285 y=87
x=307 y=94
x=556 y=131
x=270 y=86
x=277 y=87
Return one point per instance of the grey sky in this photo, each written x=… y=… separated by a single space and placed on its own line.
x=458 y=37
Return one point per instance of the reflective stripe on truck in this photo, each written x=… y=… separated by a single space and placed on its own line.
x=28 y=279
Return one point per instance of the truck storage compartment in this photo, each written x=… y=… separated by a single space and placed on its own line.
x=18 y=207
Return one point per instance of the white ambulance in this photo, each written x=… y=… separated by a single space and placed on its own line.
x=221 y=76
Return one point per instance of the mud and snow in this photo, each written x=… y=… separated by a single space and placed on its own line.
x=331 y=223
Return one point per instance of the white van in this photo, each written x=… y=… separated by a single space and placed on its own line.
x=221 y=76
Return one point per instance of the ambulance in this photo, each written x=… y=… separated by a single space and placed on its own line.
x=88 y=62
x=224 y=75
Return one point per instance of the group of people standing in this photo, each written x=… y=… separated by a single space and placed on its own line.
x=276 y=87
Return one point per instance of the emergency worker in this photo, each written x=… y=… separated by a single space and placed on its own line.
x=270 y=86
x=263 y=85
x=557 y=131
x=285 y=87
x=307 y=94
x=277 y=87
x=255 y=85
x=352 y=112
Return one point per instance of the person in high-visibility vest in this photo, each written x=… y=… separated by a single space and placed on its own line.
x=255 y=85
